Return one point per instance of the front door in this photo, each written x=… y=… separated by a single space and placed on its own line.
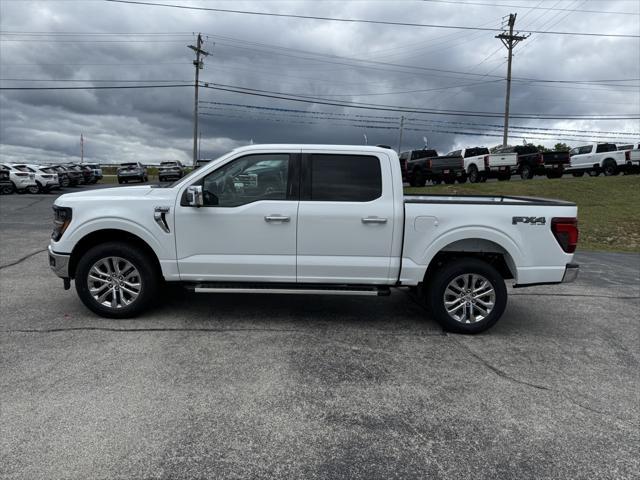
x=246 y=230
x=345 y=219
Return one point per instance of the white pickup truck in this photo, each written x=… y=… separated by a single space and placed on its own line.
x=309 y=219
x=595 y=159
x=480 y=164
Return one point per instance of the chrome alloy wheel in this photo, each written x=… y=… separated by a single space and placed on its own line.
x=114 y=282
x=469 y=298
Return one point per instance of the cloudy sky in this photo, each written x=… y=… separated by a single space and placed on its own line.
x=73 y=43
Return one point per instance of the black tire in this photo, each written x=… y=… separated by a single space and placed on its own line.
x=33 y=189
x=474 y=174
x=578 y=174
x=149 y=278
x=120 y=181
x=449 y=181
x=64 y=183
x=462 y=179
x=610 y=168
x=7 y=189
x=526 y=172
x=435 y=287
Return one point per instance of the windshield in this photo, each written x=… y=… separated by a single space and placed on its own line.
x=128 y=165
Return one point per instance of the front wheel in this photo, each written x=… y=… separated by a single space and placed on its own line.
x=33 y=189
x=466 y=296
x=116 y=280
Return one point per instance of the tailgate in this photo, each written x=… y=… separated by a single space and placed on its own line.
x=556 y=158
x=503 y=160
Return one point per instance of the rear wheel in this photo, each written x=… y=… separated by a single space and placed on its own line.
x=474 y=174
x=116 y=280
x=462 y=179
x=610 y=168
x=7 y=189
x=33 y=189
x=526 y=172
x=466 y=296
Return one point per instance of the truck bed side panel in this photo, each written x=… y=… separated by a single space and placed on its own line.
x=531 y=250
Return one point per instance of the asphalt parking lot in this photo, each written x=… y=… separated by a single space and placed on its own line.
x=232 y=386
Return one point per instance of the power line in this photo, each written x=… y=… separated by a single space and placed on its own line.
x=359 y=20
x=394 y=108
x=94 y=87
x=394 y=119
x=530 y=8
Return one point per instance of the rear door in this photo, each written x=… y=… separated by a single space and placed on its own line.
x=345 y=218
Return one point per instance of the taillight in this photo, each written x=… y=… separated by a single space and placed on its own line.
x=429 y=164
x=486 y=161
x=566 y=232
x=540 y=159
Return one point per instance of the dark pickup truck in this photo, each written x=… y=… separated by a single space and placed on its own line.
x=413 y=168
x=438 y=169
x=533 y=162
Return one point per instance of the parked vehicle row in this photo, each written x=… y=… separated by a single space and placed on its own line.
x=478 y=164
x=32 y=178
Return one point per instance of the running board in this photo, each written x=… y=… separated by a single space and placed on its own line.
x=291 y=289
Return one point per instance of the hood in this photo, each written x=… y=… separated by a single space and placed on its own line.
x=104 y=194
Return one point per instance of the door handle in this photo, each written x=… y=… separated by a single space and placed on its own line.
x=276 y=218
x=374 y=220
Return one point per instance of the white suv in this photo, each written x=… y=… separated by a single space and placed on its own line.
x=45 y=179
x=22 y=181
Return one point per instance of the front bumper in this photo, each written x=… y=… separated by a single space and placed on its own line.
x=59 y=263
x=571 y=272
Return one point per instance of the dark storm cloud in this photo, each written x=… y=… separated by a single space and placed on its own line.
x=156 y=124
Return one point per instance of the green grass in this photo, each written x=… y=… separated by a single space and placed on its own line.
x=608 y=207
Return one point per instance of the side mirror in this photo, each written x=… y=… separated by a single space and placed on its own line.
x=194 y=196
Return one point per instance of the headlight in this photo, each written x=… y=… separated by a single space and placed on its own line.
x=61 y=220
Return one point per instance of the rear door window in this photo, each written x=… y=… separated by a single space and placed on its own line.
x=345 y=178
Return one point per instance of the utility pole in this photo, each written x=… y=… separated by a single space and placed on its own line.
x=81 y=149
x=199 y=64
x=400 y=137
x=509 y=40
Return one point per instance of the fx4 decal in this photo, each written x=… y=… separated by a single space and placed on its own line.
x=529 y=220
